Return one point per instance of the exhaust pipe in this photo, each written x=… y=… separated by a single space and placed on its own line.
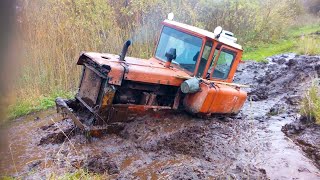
x=124 y=50
x=171 y=54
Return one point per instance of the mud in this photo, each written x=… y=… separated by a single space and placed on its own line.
x=307 y=136
x=57 y=133
x=250 y=145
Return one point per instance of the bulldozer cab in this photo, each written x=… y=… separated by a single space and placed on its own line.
x=199 y=52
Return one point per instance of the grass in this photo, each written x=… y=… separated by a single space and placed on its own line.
x=309 y=45
x=300 y=40
x=310 y=106
x=79 y=174
x=6 y=178
x=26 y=106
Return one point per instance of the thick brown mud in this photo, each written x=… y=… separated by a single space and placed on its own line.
x=307 y=136
x=250 y=145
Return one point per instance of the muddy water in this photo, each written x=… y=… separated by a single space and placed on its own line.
x=178 y=146
x=277 y=154
x=284 y=160
x=173 y=147
x=21 y=147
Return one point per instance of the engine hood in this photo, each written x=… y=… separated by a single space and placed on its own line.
x=132 y=69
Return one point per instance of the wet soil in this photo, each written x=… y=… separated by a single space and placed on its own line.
x=307 y=136
x=250 y=145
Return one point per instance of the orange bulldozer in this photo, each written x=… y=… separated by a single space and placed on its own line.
x=191 y=70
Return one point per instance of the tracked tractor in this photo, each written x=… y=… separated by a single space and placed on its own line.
x=191 y=70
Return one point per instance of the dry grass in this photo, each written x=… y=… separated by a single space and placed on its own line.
x=309 y=45
x=52 y=36
x=310 y=106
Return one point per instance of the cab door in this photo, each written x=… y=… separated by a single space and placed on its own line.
x=225 y=64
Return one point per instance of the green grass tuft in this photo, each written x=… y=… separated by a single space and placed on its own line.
x=6 y=178
x=79 y=174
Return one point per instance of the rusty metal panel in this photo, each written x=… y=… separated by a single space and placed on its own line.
x=90 y=86
x=108 y=96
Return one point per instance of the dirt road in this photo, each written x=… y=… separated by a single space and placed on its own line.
x=178 y=146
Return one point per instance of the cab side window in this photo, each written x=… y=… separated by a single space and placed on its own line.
x=204 y=58
x=224 y=64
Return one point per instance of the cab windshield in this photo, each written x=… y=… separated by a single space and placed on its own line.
x=187 y=47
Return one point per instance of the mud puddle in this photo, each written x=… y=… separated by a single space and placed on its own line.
x=21 y=151
x=248 y=146
x=307 y=136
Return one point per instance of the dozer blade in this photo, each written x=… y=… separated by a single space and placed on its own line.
x=113 y=122
x=67 y=112
x=92 y=131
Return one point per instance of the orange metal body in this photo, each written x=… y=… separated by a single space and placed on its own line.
x=215 y=99
x=138 y=70
x=212 y=98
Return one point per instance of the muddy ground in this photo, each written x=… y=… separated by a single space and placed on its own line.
x=266 y=140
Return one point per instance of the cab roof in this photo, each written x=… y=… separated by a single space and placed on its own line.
x=203 y=32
